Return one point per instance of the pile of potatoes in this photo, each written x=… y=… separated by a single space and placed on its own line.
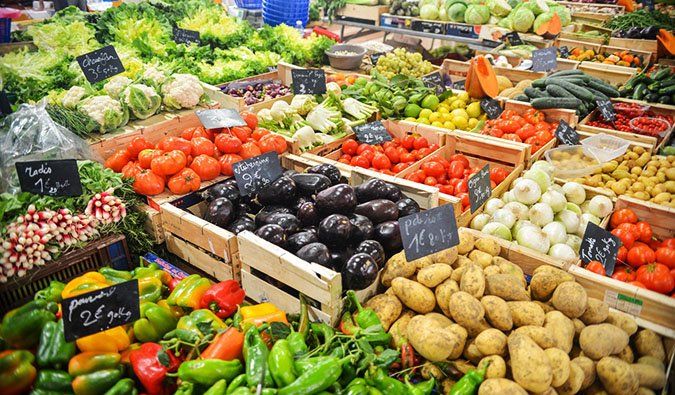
x=639 y=175
x=467 y=305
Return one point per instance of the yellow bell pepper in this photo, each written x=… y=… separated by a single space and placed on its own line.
x=90 y=281
x=257 y=310
x=175 y=310
x=112 y=340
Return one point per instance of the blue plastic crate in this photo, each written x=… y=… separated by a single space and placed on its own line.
x=5 y=29
x=249 y=4
x=118 y=256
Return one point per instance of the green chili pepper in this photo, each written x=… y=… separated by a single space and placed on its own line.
x=357 y=381
x=256 y=354
x=324 y=331
x=123 y=387
x=184 y=335
x=364 y=317
x=374 y=391
x=208 y=371
x=306 y=364
x=303 y=324
x=236 y=383
x=315 y=380
x=115 y=276
x=379 y=338
x=241 y=391
x=348 y=374
x=186 y=388
x=378 y=379
x=470 y=382
x=218 y=388
x=56 y=381
x=296 y=341
x=280 y=362
x=423 y=388
x=360 y=389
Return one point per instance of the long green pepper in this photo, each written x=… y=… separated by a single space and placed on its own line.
x=280 y=362
x=470 y=382
x=255 y=355
x=317 y=379
x=236 y=383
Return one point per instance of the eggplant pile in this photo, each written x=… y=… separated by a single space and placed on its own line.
x=318 y=217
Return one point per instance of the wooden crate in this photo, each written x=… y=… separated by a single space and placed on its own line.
x=228 y=101
x=566 y=64
x=615 y=75
x=586 y=28
x=648 y=57
x=633 y=43
x=572 y=43
x=153 y=222
x=516 y=76
x=363 y=12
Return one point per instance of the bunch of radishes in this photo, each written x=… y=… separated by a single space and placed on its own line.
x=35 y=238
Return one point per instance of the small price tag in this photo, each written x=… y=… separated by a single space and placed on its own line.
x=434 y=80
x=513 y=38
x=600 y=245
x=491 y=107
x=100 y=310
x=545 y=59
x=372 y=133
x=480 y=188
x=648 y=4
x=272 y=69
x=308 y=81
x=254 y=173
x=375 y=57
x=623 y=302
x=184 y=36
x=100 y=64
x=459 y=85
x=58 y=177
x=564 y=52
x=5 y=108
x=220 y=118
x=606 y=108
x=566 y=134
x=428 y=232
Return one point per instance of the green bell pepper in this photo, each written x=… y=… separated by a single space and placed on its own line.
x=52 y=293
x=208 y=371
x=154 y=323
x=123 y=387
x=115 y=276
x=53 y=382
x=188 y=293
x=17 y=372
x=22 y=326
x=197 y=318
x=53 y=349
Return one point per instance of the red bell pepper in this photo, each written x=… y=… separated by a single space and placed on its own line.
x=172 y=284
x=150 y=371
x=223 y=298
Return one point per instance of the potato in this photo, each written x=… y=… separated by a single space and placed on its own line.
x=398 y=329
x=387 y=307
x=447 y=256
x=496 y=369
x=482 y=258
x=433 y=275
x=443 y=292
x=542 y=336
x=397 y=266
x=588 y=367
x=465 y=309
x=596 y=312
x=549 y=391
x=626 y=355
x=648 y=360
x=562 y=329
x=570 y=298
x=462 y=261
x=500 y=387
x=473 y=281
x=601 y=340
x=530 y=366
x=644 y=391
x=492 y=269
x=466 y=243
x=578 y=327
x=491 y=342
x=488 y=245
x=623 y=321
x=508 y=267
x=617 y=376
x=526 y=313
x=472 y=353
x=497 y=312
x=544 y=306
x=430 y=370
x=476 y=328
x=463 y=366
x=414 y=295
x=649 y=376
x=545 y=280
x=595 y=389
x=461 y=334
x=447 y=384
x=429 y=339
x=505 y=286
x=574 y=381
x=649 y=343
x=442 y=320
x=458 y=272
x=560 y=365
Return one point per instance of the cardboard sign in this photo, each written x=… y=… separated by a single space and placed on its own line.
x=564 y=52
x=375 y=57
x=372 y=133
x=566 y=134
x=101 y=64
x=513 y=38
x=428 y=26
x=100 y=310
x=5 y=108
x=480 y=188
x=491 y=107
x=600 y=245
x=434 y=80
x=459 y=85
x=606 y=108
x=184 y=36
x=220 y=118
x=254 y=173
x=545 y=59
x=428 y=232
x=58 y=177
x=308 y=81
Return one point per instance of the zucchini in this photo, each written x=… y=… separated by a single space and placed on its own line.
x=583 y=77
x=669 y=90
x=540 y=83
x=567 y=72
x=533 y=93
x=652 y=97
x=542 y=103
x=577 y=91
x=665 y=99
x=661 y=84
x=521 y=98
x=575 y=81
x=641 y=91
x=557 y=91
x=661 y=74
x=597 y=93
x=607 y=89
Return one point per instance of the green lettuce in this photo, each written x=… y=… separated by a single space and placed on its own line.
x=477 y=14
x=498 y=7
x=523 y=19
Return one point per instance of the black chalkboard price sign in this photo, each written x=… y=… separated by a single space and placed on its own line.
x=648 y=4
x=480 y=188
x=566 y=134
x=544 y=59
x=100 y=64
x=58 y=177
x=600 y=245
x=606 y=108
x=434 y=80
x=5 y=108
x=428 y=232
x=184 y=36
x=513 y=38
x=459 y=85
x=100 y=310
x=308 y=81
x=254 y=173
x=375 y=57
x=491 y=107
x=372 y=133
x=564 y=52
x=220 y=118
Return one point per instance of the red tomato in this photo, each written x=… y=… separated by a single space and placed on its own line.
x=498 y=174
x=407 y=157
x=118 y=160
x=519 y=120
x=171 y=143
x=462 y=187
x=526 y=131
x=431 y=181
x=350 y=147
x=508 y=114
x=408 y=142
x=228 y=144
x=202 y=145
x=543 y=126
x=399 y=167
x=512 y=137
x=259 y=133
x=388 y=144
x=273 y=142
x=346 y=157
x=622 y=216
x=433 y=169
x=670 y=243
x=138 y=144
x=534 y=116
x=495 y=132
x=632 y=228
x=456 y=169
x=392 y=154
x=621 y=276
x=627 y=237
x=169 y=163
x=447 y=189
x=543 y=135
x=241 y=132
x=640 y=255
x=250 y=118
x=206 y=133
x=364 y=147
x=206 y=167
x=381 y=161
x=459 y=157
x=434 y=147
x=131 y=169
x=189 y=132
x=645 y=231
x=536 y=143
x=148 y=183
x=360 y=161
x=465 y=199
x=637 y=284
x=412 y=177
x=622 y=255
x=666 y=256
x=368 y=154
x=420 y=142
x=226 y=162
x=656 y=277
x=596 y=267
x=508 y=126
x=249 y=150
x=183 y=182
x=423 y=152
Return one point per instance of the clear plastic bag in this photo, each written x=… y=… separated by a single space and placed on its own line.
x=30 y=134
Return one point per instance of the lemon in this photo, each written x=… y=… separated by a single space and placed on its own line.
x=424 y=121
x=450 y=99
x=411 y=119
x=434 y=116
x=458 y=104
x=446 y=117
x=473 y=109
x=460 y=122
x=460 y=112
x=449 y=125
x=482 y=117
x=425 y=113
x=464 y=96
x=437 y=124
x=443 y=109
x=472 y=123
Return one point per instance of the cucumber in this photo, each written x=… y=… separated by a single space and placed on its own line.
x=521 y=98
x=577 y=91
x=652 y=97
x=575 y=81
x=607 y=89
x=641 y=91
x=669 y=90
x=542 y=103
x=567 y=72
x=661 y=84
x=540 y=83
x=583 y=77
x=533 y=93
x=665 y=99
x=556 y=91
x=661 y=74
x=597 y=93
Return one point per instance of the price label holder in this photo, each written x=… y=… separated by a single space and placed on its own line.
x=459 y=85
x=5 y=108
x=372 y=133
x=600 y=245
x=100 y=310
x=220 y=118
x=480 y=188
x=545 y=59
x=566 y=134
x=184 y=36
x=272 y=69
x=375 y=57
x=606 y=108
x=513 y=38
x=308 y=81
x=648 y=4
x=491 y=107
x=564 y=52
x=428 y=232
x=255 y=173
x=101 y=64
x=58 y=177
x=434 y=80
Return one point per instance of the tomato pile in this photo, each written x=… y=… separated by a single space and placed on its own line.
x=530 y=128
x=642 y=261
x=182 y=163
x=391 y=157
x=626 y=112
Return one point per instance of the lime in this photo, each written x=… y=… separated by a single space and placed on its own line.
x=473 y=109
x=425 y=113
x=460 y=122
x=412 y=110
x=430 y=102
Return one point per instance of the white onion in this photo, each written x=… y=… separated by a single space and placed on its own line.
x=558 y=188
x=540 y=177
x=479 y=221
x=518 y=209
x=493 y=205
x=516 y=181
x=600 y=206
x=520 y=225
x=583 y=222
x=527 y=191
x=554 y=199
x=573 y=208
x=508 y=197
x=556 y=232
x=564 y=252
x=584 y=206
x=497 y=229
x=569 y=219
x=533 y=237
x=545 y=166
x=541 y=214
x=574 y=241
x=574 y=192
x=503 y=216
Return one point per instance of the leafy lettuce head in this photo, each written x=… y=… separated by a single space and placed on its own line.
x=477 y=14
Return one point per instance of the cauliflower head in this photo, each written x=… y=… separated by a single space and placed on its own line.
x=116 y=85
x=142 y=100
x=182 y=91
x=73 y=96
x=108 y=112
x=154 y=74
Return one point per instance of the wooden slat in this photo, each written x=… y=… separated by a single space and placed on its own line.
x=572 y=43
x=661 y=218
x=153 y=222
x=199 y=259
x=615 y=75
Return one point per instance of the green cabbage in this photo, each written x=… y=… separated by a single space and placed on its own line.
x=443 y=14
x=523 y=20
x=538 y=7
x=456 y=12
x=506 y=23
x=498 y=7
x=514 y=3
x=477 y=14
x=429 y=11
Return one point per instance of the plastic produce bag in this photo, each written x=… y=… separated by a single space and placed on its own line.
x=30 y=134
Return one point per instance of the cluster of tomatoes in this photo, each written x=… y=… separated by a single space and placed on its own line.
x=391 y=157
x=642 y=261
x=530 y=128
x=182 y=163
x=649 y=123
